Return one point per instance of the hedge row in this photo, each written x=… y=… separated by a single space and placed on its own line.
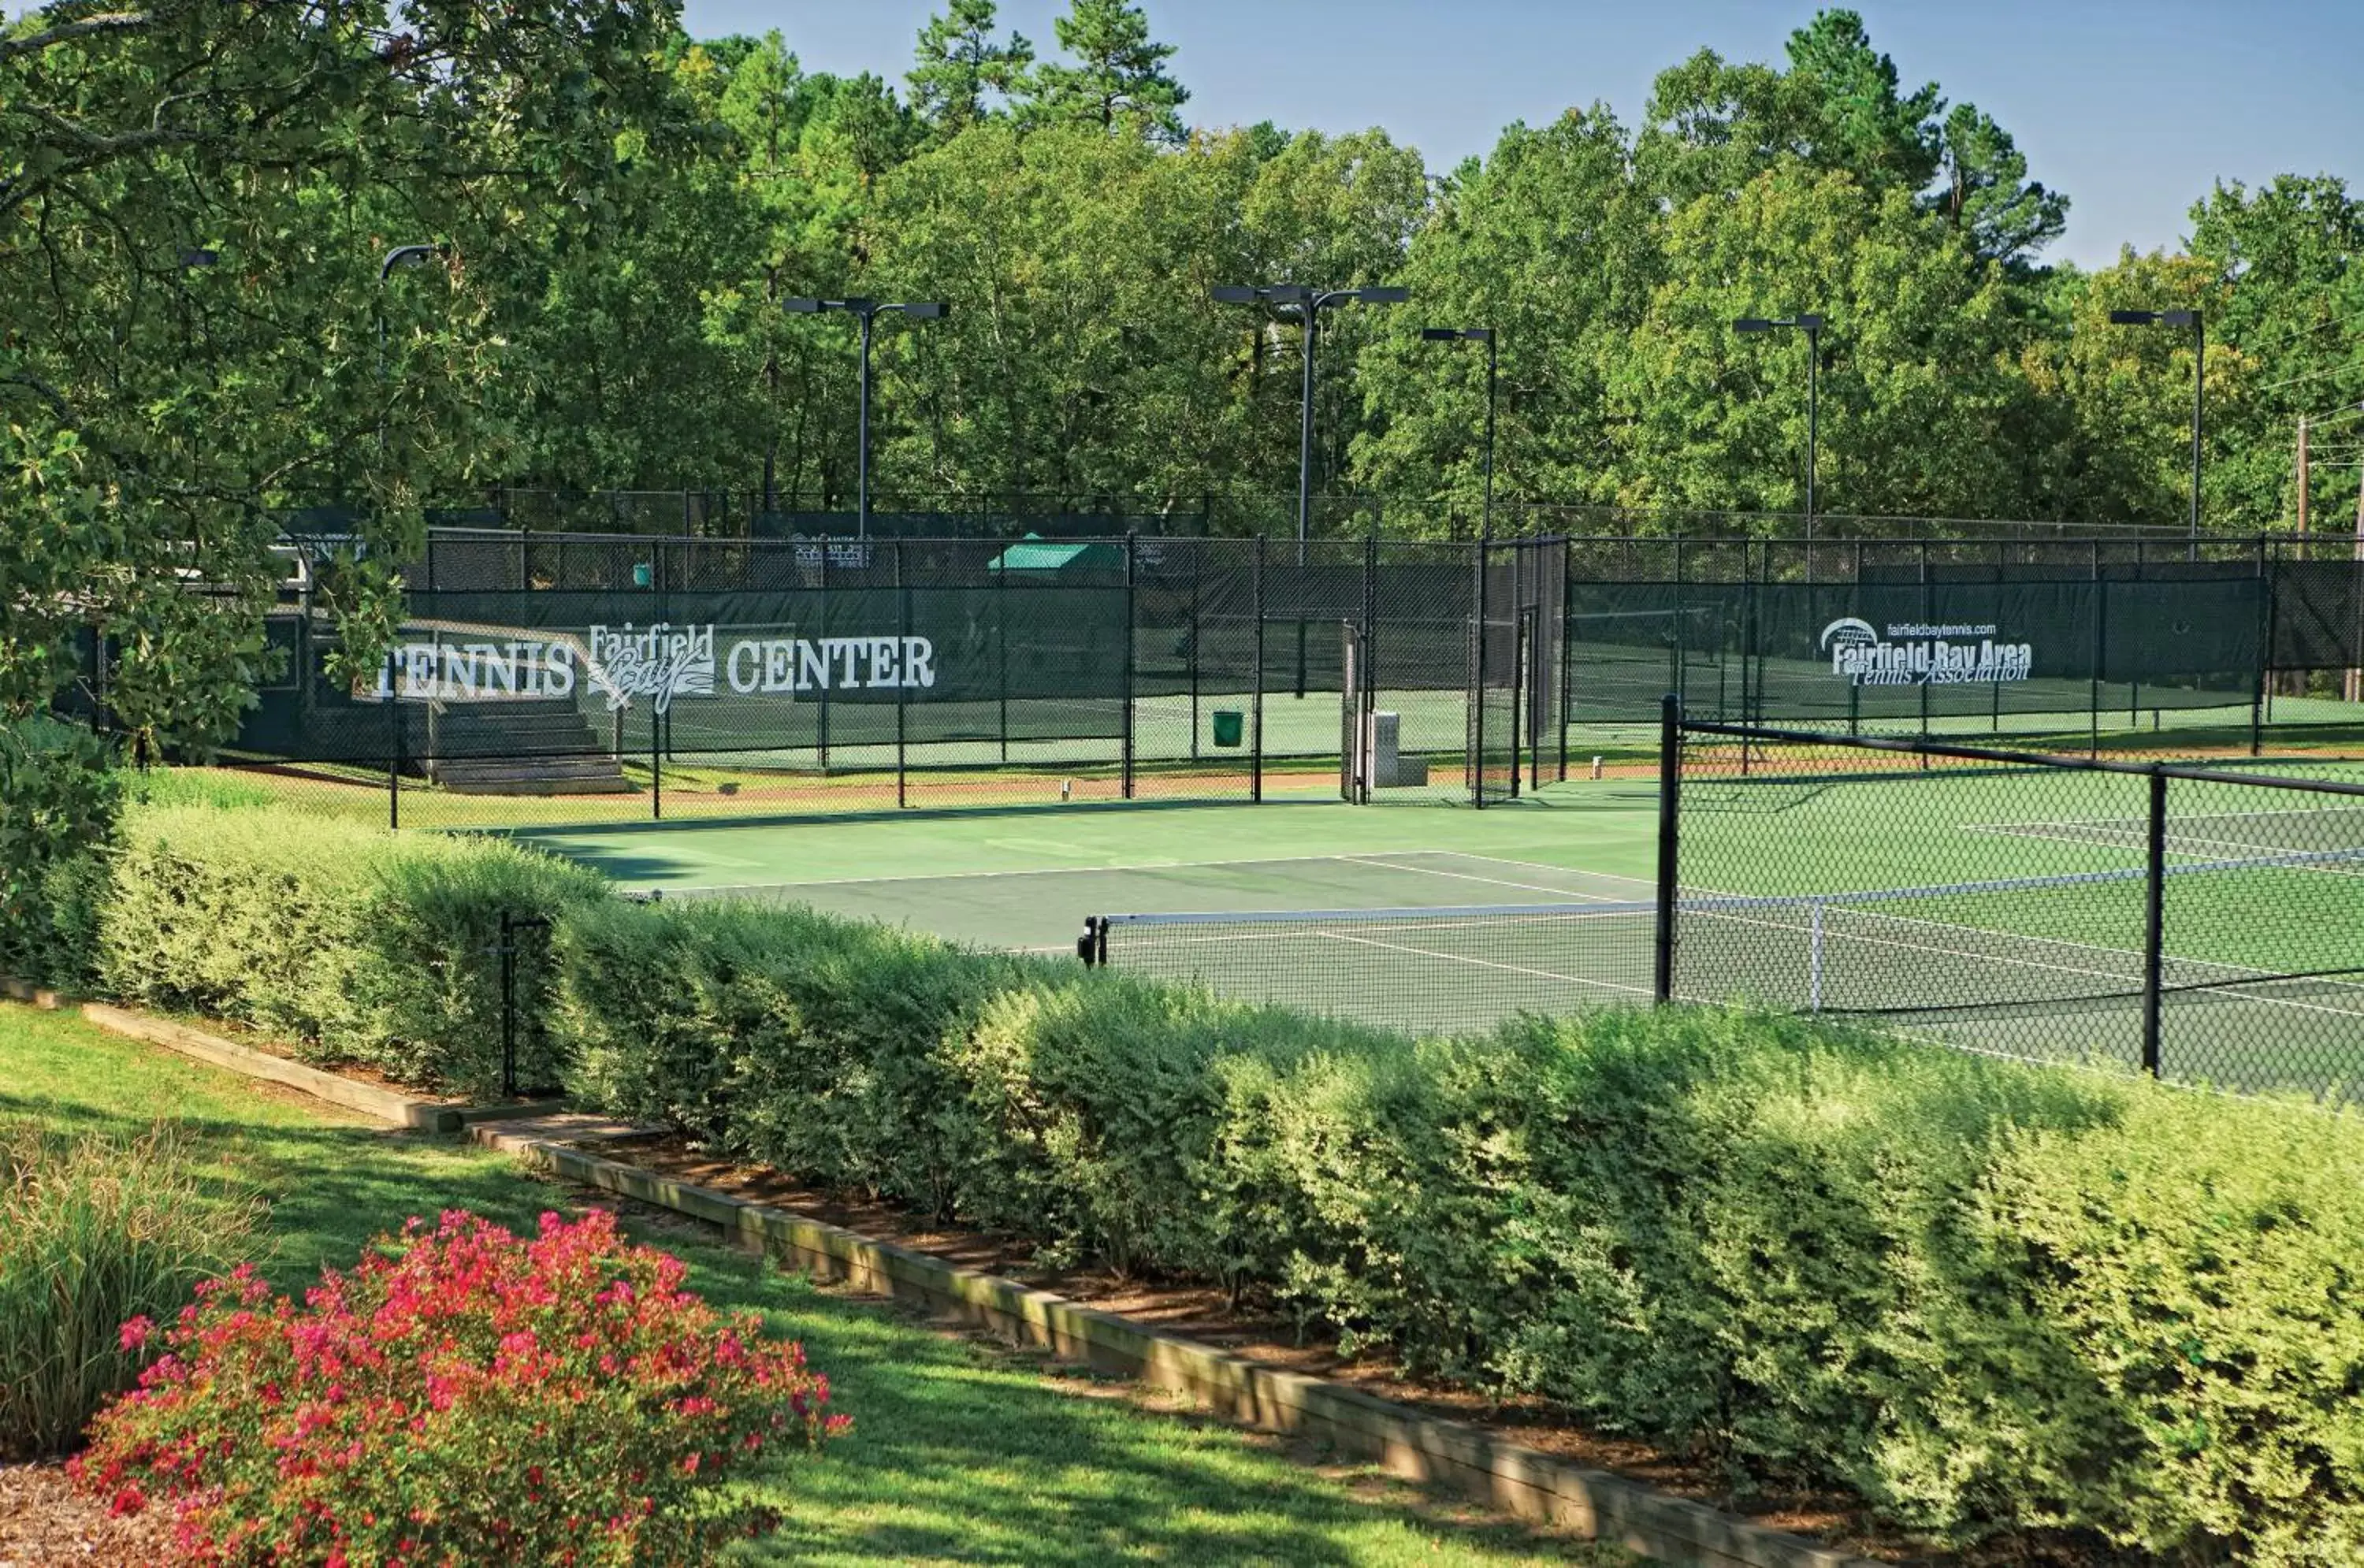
x=364 y=946
x=1992 y=1299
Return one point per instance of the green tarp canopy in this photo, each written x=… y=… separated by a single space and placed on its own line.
x=1035 y=553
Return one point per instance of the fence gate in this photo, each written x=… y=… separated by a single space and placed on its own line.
x=1501 y=631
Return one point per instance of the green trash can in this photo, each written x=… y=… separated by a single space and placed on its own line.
x=1230 y=726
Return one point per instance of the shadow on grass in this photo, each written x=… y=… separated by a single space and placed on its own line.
x=962 y=1453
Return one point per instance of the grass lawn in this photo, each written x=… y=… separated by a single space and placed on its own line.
x=962 y=1453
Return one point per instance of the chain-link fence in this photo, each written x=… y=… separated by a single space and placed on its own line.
x=2203 y=925
x=577 y=676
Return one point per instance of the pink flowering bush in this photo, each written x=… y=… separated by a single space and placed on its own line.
x=461 y=1395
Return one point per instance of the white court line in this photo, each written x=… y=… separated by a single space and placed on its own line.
x=1485 y=963
x=1538 y=865
x=2237 y=993
x=1027 y=870
x=2176 y=844
x=1373 y=860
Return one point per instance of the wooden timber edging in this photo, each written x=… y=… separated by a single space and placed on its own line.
x=389 y=1105
x=1521 y=1481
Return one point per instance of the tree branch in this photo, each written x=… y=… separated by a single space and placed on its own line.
x=66 y=32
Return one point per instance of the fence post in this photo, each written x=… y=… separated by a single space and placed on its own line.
x=2266 y=627
x=903 y=635
x=1255 y=741
x=1198 y=576
x=508 y=1007
x=1478 y=683
x=1670 y=779
x=394 y=752
x=2155 y=922
x=1132 y=610
x=820 y=730
x=2100 y=650
x=656 y=763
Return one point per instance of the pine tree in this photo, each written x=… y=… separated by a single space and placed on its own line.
x=959 y=63
x=1119 y=77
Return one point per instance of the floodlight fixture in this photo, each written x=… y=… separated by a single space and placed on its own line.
x=867 y=312
x=1493 y=364
x=2198 y=326
x=1811 y=324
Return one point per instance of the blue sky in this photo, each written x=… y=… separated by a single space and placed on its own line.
x=2133 y=108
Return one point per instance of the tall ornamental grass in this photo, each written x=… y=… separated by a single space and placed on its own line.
x=95 y=1232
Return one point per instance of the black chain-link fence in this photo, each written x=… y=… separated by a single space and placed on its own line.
x=2204 y=925
x=547 y=677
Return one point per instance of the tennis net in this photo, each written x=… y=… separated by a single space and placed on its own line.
x=2050 y=966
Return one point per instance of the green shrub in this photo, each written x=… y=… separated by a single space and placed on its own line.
x=58 y=799
x=93 y=1232
x=365 y=945
x=2200 y=1261
x=1990 y=1298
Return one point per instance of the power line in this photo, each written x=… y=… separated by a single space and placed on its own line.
x=2247 y=347
x=2344 y=411
x=2314 y=375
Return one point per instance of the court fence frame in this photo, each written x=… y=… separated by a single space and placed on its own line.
x=1143 y=665
x=1896 y=766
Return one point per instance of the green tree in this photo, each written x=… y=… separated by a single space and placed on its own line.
x=1919 y=381
x=2288 y=259
x=2121 y=397
x=1118 y=76
x=1081 y=360
x=194 y=199
x=1864 y=123
x=1984 y=191
x=1553 y=245
x=960 y=62
x=1840 y=105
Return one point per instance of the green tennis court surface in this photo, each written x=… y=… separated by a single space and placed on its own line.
x=1998 y=909
x=1027 y=878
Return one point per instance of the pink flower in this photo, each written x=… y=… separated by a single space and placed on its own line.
x=135 y=1334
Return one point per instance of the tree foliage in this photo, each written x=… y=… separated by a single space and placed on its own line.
x=197 y=344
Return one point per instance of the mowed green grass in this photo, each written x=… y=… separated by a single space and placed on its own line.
x=962 y=1453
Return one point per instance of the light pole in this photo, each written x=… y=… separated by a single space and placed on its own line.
x=1811 y=326
x=867 y=311
x=400 y=256
x=2192 y=319
x=1310 y=304
x=1478 y=334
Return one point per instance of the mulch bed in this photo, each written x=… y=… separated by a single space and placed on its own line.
x=43 y=1520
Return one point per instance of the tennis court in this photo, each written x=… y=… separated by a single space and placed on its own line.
x=1027 y=879
x=1999 y=908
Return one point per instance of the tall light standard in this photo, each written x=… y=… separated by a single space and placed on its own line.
x=867 y=311
x=1811 y=326
x=400 y=256
x=1476 y=335
x=2190 y=319
x=1310 y=304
